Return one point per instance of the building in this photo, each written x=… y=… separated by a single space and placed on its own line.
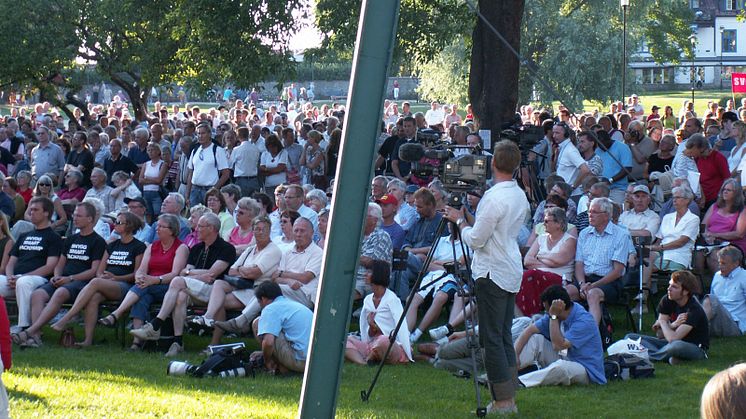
x=720 y=50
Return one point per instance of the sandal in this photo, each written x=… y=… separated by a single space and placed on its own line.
x=136 y=347
x=32 y=342
x=108 y=321
x=19 y=338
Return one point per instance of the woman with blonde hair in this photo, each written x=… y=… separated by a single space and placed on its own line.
x=45 y=187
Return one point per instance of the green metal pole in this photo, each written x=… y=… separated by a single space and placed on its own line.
x=373 y=49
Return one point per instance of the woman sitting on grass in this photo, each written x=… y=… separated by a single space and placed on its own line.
x=114 y=277
x=381 y=310
x=162 y=262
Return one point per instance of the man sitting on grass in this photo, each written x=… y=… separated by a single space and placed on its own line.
x=682 y=330
x=283 y=330
x=725 y=306
x=565 y=326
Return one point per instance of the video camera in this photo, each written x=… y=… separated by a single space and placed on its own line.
x=458 y=173
x=524 y=136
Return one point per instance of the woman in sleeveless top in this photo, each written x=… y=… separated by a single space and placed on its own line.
x=162 y=261
x=151 y=179
x=550 y=260
x=725 y=221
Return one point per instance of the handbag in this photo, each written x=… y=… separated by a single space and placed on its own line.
x=67 y=338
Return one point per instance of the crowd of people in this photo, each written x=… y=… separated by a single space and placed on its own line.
x=226 y=210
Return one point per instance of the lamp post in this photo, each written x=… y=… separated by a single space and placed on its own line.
x=693 y=40
x=722 y=29
x=624 y=4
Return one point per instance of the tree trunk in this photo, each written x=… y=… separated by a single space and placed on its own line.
x=493 y=81
x=138 y=96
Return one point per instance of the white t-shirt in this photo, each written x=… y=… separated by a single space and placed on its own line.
x=569 y=161
x=206 y=171
x=271 y=162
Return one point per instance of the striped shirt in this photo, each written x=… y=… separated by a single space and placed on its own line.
x=598 y=251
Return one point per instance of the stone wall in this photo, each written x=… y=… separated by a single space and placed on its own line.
x=324 y=90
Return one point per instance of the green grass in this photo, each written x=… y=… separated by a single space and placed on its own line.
x=674 y=99
x=106 y=381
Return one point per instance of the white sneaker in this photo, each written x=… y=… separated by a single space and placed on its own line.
x=16 y=329
x=146 y=332
x=415 y=336
x=442 y=341
x=439 y=332
x=174 y=350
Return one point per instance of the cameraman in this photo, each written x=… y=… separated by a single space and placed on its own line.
x=406 y=135
x=497 y=268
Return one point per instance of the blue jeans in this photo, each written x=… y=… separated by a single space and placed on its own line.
x=148 y=296
x=197 y=195
x=153 y=203
x=662 y=350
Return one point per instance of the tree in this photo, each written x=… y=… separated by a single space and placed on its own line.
x=446 y=77
x=139 y=44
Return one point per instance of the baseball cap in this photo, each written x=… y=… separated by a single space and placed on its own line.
x=139 y=199
x=655 y=107
x=387 y=199
x=641 y=188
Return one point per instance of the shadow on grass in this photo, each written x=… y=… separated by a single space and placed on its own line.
x=26 y=396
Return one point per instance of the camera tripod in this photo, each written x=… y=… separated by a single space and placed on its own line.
x=466 y=286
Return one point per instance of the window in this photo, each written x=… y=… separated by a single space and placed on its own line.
x=729 y=40
x=694 y=4
x=731 y=5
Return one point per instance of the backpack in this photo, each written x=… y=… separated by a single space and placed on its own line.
x=214 y=153
x=626 y=366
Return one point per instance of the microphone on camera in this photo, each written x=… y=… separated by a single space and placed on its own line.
x=411 y=152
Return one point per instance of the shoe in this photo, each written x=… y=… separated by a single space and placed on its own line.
x=235 y=325
x=202 y=322
x=146 y=332
x=174 y=350
x=507 y=410
x=439 y=332
x=415 y=336
x=16 y=329
x=32 y=342
x=205 y=352
x=442 y=341
x=675 y=361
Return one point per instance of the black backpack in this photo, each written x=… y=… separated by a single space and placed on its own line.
x=626 y=366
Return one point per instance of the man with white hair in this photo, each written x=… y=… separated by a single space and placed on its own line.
x=138 y=149
x=173 y=204
x=101 y=190
x=376 y=246
x=406 y=215
x=208 y=260
x=600 y=258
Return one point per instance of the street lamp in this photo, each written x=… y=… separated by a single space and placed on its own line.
x=624 y=4
x=693 y=40
x=722 y=29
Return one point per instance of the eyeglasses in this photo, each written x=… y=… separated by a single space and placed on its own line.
x=120 y=223
x=45 y=184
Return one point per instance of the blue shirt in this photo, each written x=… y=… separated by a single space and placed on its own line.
x=621 y=152
x=291 y=318
x=422 y=233
x=396 y=233
x=581 y=330
x=731 y=292
x=599 y=251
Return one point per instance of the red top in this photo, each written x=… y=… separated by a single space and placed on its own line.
x=5 y=345
x=77 y=193
x=27 y=194
x=713 y=170
x=162 y=262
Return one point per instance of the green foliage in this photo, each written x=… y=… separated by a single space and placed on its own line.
x=446 y=77
x=578 y=50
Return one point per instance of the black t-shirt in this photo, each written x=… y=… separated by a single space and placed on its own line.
x=386 y=150
x=203 y=258
x=404 y=166
x=83 y=158
x=696 y=318
x=123 y=163
x=81 y=251
x=122 y=256
x=33 y=248
x=657 y=164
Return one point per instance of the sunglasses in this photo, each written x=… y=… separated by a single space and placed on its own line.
x=45 y=184
x=120 y=223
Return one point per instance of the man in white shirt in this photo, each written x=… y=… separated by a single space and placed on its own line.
x=571 y=166
x=208 y=167
x=294 y=198
x=245 y=162
x=725 y=306
x=435 y=115
x=640 y=220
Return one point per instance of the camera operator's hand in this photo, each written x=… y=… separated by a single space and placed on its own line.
x=452 y=214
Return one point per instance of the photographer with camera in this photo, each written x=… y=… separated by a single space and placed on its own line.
x=498 y=270
x=641 y=147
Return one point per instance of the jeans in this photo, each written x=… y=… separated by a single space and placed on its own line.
x=495 y=308
x=153 y=203
x=248 y=185
x=148 y=296
x=662 y=350
x=197 y=195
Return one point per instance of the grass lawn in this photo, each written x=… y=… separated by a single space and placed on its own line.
x=106 y=381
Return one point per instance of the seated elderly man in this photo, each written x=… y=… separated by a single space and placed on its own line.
x=376 y=246
x=173 y=204
x=283 y=329
x=672 y=249
x=565 y=326
x=601 y=255
x=682 y=331
x=101 y=190
x=640 y=220
x=208 y=261
x=725 y=306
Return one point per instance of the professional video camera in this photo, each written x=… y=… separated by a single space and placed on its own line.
x=458 y=173
x=525 y=136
